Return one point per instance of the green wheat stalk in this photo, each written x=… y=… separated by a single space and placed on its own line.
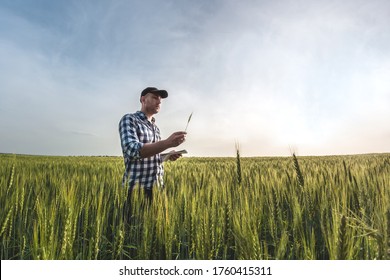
x=189 y=119
x=238 y=161
x=342 y=240
x=300 y=179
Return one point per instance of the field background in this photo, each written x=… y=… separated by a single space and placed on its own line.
x=333 y=207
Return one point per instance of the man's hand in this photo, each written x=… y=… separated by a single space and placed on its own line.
x=150 y=149
x=172 y=156
x=176 y=138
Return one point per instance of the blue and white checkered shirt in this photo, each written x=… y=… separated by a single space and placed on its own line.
x=135 y=130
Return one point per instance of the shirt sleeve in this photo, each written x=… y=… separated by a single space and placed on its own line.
x=131 y=145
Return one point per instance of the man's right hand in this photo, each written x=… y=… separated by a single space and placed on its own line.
x=151 y=149
x=176 y=138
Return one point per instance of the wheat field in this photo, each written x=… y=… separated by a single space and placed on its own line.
x=69 y=208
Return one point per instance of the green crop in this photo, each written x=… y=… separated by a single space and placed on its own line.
x=334 y=207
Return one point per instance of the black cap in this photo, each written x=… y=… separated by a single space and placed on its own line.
x=161 y=92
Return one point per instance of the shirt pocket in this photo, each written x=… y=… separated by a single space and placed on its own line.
x=145 y=134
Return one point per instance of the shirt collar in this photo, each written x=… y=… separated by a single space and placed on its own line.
x=143 y=117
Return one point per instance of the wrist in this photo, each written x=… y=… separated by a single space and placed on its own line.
x=164 y=144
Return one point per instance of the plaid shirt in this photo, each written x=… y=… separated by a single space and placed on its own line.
x=136 y=130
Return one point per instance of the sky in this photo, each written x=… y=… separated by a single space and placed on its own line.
x=276 y=77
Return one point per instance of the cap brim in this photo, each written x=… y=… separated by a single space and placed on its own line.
x=161 y=92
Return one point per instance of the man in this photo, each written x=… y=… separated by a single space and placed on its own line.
x=141 y=144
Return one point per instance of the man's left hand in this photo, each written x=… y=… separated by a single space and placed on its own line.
x=174 y=157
